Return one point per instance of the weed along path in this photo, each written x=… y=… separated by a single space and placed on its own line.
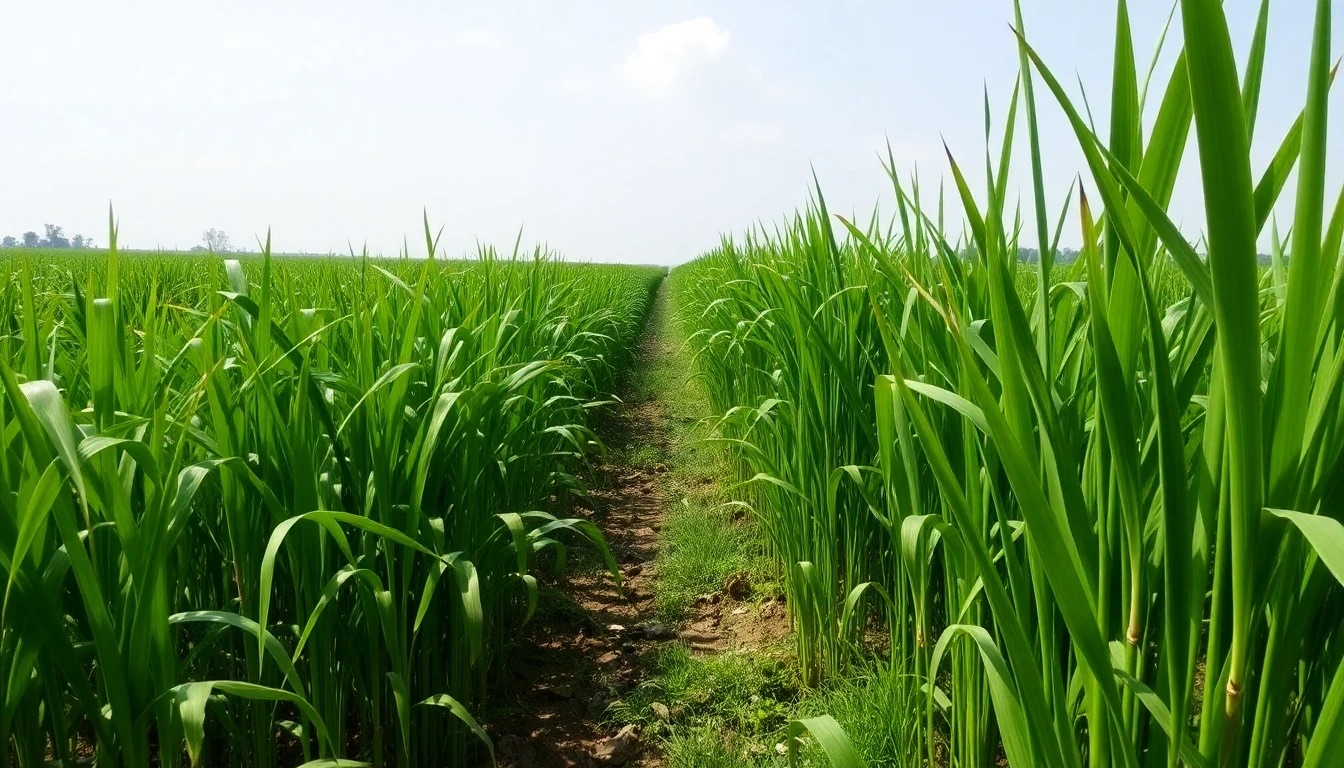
x=587 y=681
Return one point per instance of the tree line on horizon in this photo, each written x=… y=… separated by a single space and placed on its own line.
x=55 y=238
x=212 y=240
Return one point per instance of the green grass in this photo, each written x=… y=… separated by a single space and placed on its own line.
x=745 y=692
x=701 y=548
x=733 y=708
x=878 y=707
x=708 y=746
x=704 y=539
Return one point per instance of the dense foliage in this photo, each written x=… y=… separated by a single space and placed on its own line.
x=1097 y=507
x=281 y=510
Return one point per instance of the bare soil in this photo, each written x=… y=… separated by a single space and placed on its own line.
x=573 y=663
x=719 y=624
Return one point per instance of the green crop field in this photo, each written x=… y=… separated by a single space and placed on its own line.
x=294 y=497
x=289 y=511
x=1096 y=507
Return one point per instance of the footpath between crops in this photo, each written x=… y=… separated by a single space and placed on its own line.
x=693 y=641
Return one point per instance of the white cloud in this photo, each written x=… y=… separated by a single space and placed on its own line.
x=479 y=38
x=661 y=57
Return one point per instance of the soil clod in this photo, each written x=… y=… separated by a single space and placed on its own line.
x=618 y=749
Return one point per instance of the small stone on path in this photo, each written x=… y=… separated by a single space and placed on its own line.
x=618 y=749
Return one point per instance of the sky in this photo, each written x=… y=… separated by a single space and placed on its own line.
x=607 y=131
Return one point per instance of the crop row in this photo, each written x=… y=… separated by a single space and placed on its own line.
x=275 y=511
x=1095 y=507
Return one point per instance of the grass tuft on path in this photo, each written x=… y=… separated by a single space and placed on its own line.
x=704 y=541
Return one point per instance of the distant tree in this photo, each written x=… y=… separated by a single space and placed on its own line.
x=31 y=240
x=55 y=237
x=9 y=242
x=80 y=241
x=216 y=240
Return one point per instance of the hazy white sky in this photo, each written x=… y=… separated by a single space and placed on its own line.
x=615 y=131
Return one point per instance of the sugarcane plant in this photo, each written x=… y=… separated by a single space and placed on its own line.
x=1097 y=504
x=274 y=511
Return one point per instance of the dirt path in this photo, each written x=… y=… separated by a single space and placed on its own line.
x=591 y=639
x=593 y=643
